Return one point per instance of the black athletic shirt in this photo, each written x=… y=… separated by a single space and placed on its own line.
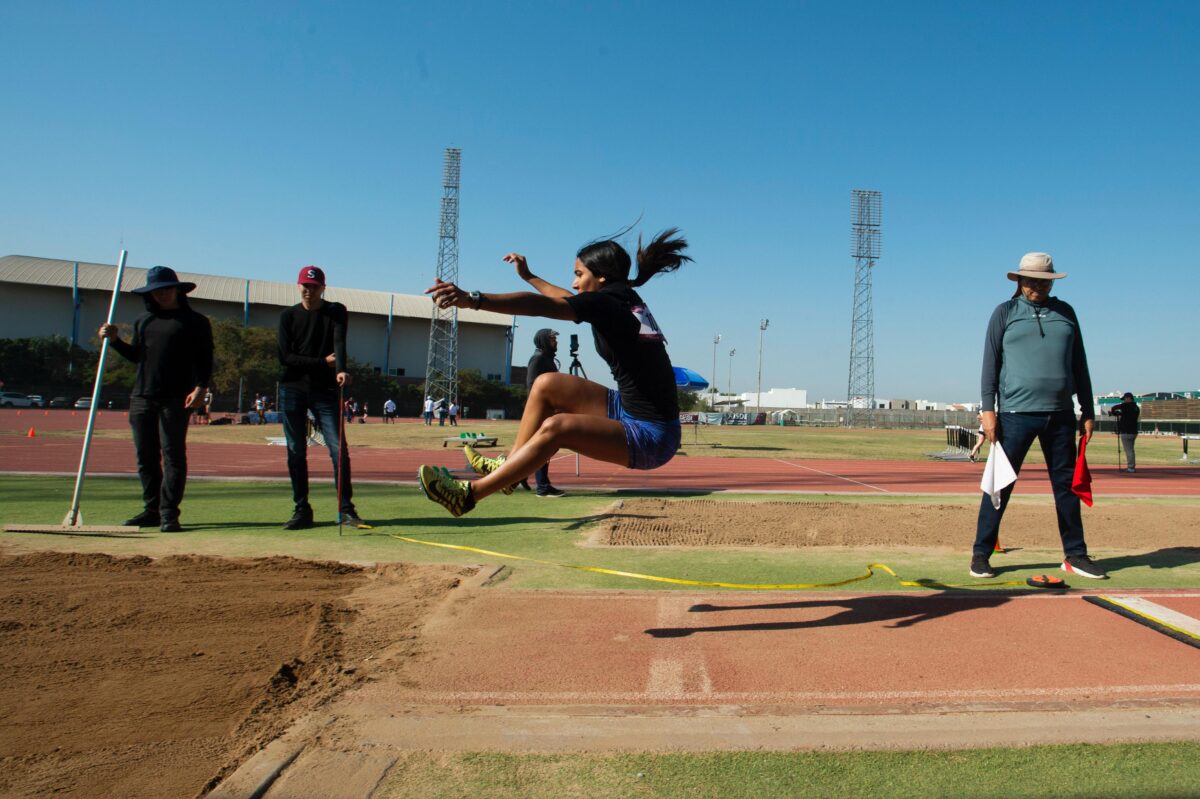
x=305 y=339
x=1127 y=414
x=629 y=340
x=173 y=351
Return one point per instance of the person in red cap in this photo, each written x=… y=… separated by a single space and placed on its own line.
x=312 y=348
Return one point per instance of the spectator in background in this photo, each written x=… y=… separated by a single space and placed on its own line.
x=543 y=362
x=442 y=411
x=173 y=349
x=1127 y=414
x=1033 y=362
x=979 y=439
x=454 y=414
x=427 y=410
x=312 y=348
x=389 y=410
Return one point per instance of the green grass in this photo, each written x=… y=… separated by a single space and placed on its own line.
x=716 y=441
x=1163 y=771
x=244 y=518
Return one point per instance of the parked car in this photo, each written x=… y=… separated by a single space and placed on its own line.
x=13 y=399
x=83 y=403
x=38 y=400
x=60 y=402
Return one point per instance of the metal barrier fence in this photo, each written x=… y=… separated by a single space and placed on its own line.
x=959 y=443
x=885 y=418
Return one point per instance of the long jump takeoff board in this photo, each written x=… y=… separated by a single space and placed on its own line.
x=1177 y=625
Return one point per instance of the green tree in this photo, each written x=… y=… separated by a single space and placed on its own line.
x=249 y=354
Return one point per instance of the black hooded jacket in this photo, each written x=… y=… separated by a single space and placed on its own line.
x=173 y=351
x=543 y=359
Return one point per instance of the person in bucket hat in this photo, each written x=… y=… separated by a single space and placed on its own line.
x=173 y=348
x=312 y=349
x=1033 y=364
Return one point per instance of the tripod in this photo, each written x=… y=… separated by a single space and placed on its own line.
x=576 y=369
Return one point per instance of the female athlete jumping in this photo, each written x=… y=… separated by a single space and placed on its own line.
x=637 y=425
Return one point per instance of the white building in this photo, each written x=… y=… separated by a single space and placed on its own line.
x=776 y=399
x=48 y=297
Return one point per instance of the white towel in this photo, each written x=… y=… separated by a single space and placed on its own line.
x=997 y=475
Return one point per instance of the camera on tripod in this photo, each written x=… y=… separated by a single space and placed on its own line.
x=576 y=367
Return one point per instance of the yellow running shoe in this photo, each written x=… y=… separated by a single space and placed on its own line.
x=453 y=495
x=483 y=465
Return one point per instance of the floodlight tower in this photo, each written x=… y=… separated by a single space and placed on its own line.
x=865 y=219
x=441 y=368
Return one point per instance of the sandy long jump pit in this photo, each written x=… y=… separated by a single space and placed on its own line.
x=716 y=523
x=132 y=677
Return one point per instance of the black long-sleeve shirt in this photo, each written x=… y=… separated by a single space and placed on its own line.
x=306 y=338
x=1127 y=414
x=173 y=351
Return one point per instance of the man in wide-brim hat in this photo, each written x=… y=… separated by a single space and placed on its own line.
x=173 y=349
x=1033 y=364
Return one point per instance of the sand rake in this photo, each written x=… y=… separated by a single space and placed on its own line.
x=73 y=523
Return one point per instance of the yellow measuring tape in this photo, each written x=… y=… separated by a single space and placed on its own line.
x=870 y=571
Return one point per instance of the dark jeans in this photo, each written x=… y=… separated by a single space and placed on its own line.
x=542 y=476
x=295 y=405
x=160 y=441
x=1056 y=434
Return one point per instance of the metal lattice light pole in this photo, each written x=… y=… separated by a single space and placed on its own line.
x=441 y=368
x=762 y=327
x=865 y=219
x=712 y=395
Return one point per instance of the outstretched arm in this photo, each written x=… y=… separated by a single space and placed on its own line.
x=521 y=303
x=544 y=287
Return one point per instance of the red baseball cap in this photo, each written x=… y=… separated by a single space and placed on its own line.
x=311 y=275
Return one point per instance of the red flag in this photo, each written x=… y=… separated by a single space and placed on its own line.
x=1081 y=484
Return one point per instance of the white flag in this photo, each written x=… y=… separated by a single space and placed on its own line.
x=997 y=475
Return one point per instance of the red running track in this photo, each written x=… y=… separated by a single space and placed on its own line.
x=685 y=473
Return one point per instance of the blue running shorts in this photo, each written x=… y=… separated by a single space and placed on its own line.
x=650 y=443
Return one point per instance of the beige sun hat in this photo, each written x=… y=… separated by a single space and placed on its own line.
x=1036 y=265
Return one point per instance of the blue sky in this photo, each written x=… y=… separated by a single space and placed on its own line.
x=251 y=138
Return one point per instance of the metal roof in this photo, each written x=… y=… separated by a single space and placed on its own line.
x=99 y=277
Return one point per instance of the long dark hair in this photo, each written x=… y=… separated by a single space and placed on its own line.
x=608 y=259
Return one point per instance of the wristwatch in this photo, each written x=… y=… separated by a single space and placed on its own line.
x=476 y=299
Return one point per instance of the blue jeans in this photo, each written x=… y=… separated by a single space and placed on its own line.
x=1056 y=434
x=295 y=404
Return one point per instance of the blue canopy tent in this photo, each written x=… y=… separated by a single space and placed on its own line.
x=688 y=380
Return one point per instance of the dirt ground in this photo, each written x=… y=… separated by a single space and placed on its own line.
x=709 y=523
x=132 y=677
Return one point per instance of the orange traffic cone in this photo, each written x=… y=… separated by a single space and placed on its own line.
x=998 y=548
x=31 y=434
x=45 y=413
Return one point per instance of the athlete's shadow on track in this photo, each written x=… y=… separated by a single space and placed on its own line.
x=902 y=611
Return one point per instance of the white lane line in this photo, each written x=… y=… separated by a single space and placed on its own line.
x=831 y=474
x=786 y=697
x=1180 y=622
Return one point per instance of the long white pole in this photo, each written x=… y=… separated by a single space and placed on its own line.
x=73 y=519
x=712 y=396
x=762 y=326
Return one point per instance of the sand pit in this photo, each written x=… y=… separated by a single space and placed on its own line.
x=132 y=677
x=710 y=523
